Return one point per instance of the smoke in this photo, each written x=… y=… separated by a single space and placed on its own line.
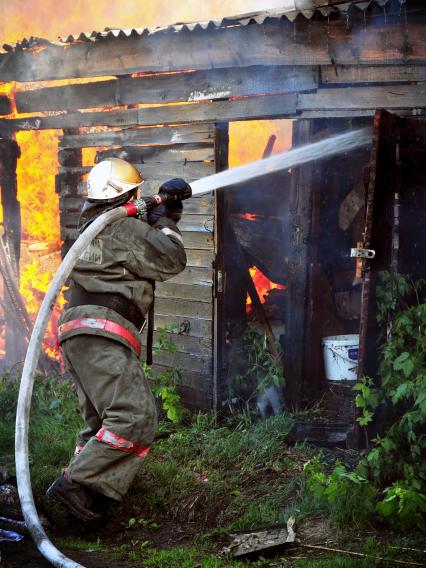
x=332 y=146
x=50 y=19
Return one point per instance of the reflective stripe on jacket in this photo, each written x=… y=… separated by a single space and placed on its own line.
x=114 y=328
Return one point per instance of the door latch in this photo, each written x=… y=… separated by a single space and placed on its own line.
x=362 y=253
x=219 y=282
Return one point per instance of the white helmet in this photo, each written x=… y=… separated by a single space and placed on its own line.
x=112 y=178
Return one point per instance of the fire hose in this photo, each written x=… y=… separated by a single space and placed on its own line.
x=335 y=145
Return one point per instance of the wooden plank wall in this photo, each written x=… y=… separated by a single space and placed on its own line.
x=187 y=81
x=297 y=70
x=399 y=90
x=184 y=301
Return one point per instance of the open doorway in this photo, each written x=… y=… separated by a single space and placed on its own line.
x=287 y=239
x=252 y=223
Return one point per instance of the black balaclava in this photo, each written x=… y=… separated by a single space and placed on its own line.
x=92 y=208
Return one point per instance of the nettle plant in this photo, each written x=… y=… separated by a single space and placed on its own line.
x=262 y=370
x=164 y=383
x=394 y=466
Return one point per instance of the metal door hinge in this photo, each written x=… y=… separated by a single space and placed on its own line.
x=362 y=253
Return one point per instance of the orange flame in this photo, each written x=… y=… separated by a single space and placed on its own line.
x=247 y=141
x=263 y=285
x=41 y=244
x=38 y=163
x=248 y=216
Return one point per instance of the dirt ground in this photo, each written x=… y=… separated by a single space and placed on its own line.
x=25 y=554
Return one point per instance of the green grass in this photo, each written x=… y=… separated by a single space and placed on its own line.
x=146 y=556
x=54 y=423
x=228 y=467
x=229 y=447
x=236 y=475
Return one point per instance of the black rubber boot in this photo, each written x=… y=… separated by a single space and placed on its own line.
x=76 y=498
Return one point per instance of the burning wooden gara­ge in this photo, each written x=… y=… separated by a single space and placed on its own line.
x=297 y=227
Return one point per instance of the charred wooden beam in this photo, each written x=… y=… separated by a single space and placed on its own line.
x=186 y=153
x=221 y=161
x=356 y=74
x=18 y=322
x=5 y=105
x=191 y=134
x=390 y=97
x=258 y=308
x=193 y=86
x=377 y=234
x=369 y=40
x=335 y=102
x=67 y=184
x=9 y=154
x=10 y=247
x=249 y=108
x=298 y=247
x=197 y=86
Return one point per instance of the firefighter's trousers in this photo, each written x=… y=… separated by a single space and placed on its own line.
x=119 y=411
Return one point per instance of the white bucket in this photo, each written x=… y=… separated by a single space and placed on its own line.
x=341 y=357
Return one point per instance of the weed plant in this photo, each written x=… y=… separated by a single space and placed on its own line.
x=164 y=383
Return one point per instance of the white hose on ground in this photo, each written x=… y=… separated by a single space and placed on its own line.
x=47 y=549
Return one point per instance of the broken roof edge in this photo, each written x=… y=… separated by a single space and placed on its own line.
x=290 y=10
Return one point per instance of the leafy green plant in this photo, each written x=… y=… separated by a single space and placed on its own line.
x=262 y=370
x=407 y=504
x=347 y=495
x=391 y=477
x=164 y=383
x=367 y=399
x=395 y=461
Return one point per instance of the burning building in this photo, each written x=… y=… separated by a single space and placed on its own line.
x=184 y=100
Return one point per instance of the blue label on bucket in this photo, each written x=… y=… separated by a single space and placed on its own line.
x=353 y=354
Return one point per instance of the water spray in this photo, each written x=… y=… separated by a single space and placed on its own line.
x=323 y=149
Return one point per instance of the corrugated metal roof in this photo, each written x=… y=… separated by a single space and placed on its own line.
x=291 y=10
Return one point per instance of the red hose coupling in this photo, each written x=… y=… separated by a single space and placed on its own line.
x=131 y=209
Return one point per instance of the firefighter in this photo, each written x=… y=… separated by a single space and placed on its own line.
x=99 y=332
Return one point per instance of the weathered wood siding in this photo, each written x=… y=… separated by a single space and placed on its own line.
x=186 y=301
x=192 y=86
x=321 y=67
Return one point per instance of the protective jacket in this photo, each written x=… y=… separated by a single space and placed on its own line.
x=124 y=259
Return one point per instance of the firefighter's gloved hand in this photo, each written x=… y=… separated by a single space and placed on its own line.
x=172 y=211
x=176 y=188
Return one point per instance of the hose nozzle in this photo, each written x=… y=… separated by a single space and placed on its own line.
x=142 y=207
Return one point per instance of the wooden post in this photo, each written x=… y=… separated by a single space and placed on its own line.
x=219 y=319
x=5 y=105
x=66 y=184
x=9 y=154
x=298 y=236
